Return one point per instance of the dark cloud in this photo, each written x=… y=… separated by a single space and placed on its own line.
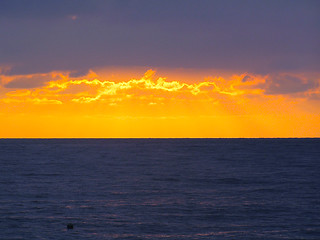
x=287 y=84
x=254 y=36
x=246 y=78
x=80 y=73
x=30 y=82
x=315 y=96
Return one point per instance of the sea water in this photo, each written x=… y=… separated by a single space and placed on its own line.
x=160 y=188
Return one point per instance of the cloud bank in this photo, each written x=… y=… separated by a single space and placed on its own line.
x=64 y=88
x=253 y=36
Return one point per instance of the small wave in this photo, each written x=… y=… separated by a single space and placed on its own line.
x=230 y=181
x=166 y=179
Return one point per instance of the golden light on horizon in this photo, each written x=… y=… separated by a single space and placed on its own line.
x=238 y=105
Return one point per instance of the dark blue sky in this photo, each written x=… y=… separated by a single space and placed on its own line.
x=256 y=36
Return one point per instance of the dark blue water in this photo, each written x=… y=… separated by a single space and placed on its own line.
x=160 y=189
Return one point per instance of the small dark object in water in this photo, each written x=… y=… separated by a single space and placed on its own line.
x=70 y=226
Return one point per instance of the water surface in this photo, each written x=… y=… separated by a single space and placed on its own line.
x=160 y=188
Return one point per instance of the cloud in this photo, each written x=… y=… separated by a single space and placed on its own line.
x=79 y=73
x=45 y=101
x=246 y=78
x=31 y=100
x=30 y=81
x=233 y=35
x=150 y=88
x=148 y=84
x=19 y=93
x=288 y=84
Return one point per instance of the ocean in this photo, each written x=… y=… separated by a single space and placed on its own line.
x=160 y=189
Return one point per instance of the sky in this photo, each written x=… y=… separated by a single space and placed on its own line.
x=150 y=68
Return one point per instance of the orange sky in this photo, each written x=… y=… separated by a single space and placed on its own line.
x=112 y=103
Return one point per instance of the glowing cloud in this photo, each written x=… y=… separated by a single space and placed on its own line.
x=220 y=103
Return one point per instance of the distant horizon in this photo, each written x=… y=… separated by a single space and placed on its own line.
x=160 y=138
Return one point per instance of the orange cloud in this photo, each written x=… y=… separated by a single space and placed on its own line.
x=241 y=105
x=147 y=85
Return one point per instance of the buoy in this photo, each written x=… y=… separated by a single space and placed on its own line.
x=70 y=226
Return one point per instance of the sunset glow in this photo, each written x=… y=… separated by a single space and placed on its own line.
x=149 y=69
x=238 y=105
